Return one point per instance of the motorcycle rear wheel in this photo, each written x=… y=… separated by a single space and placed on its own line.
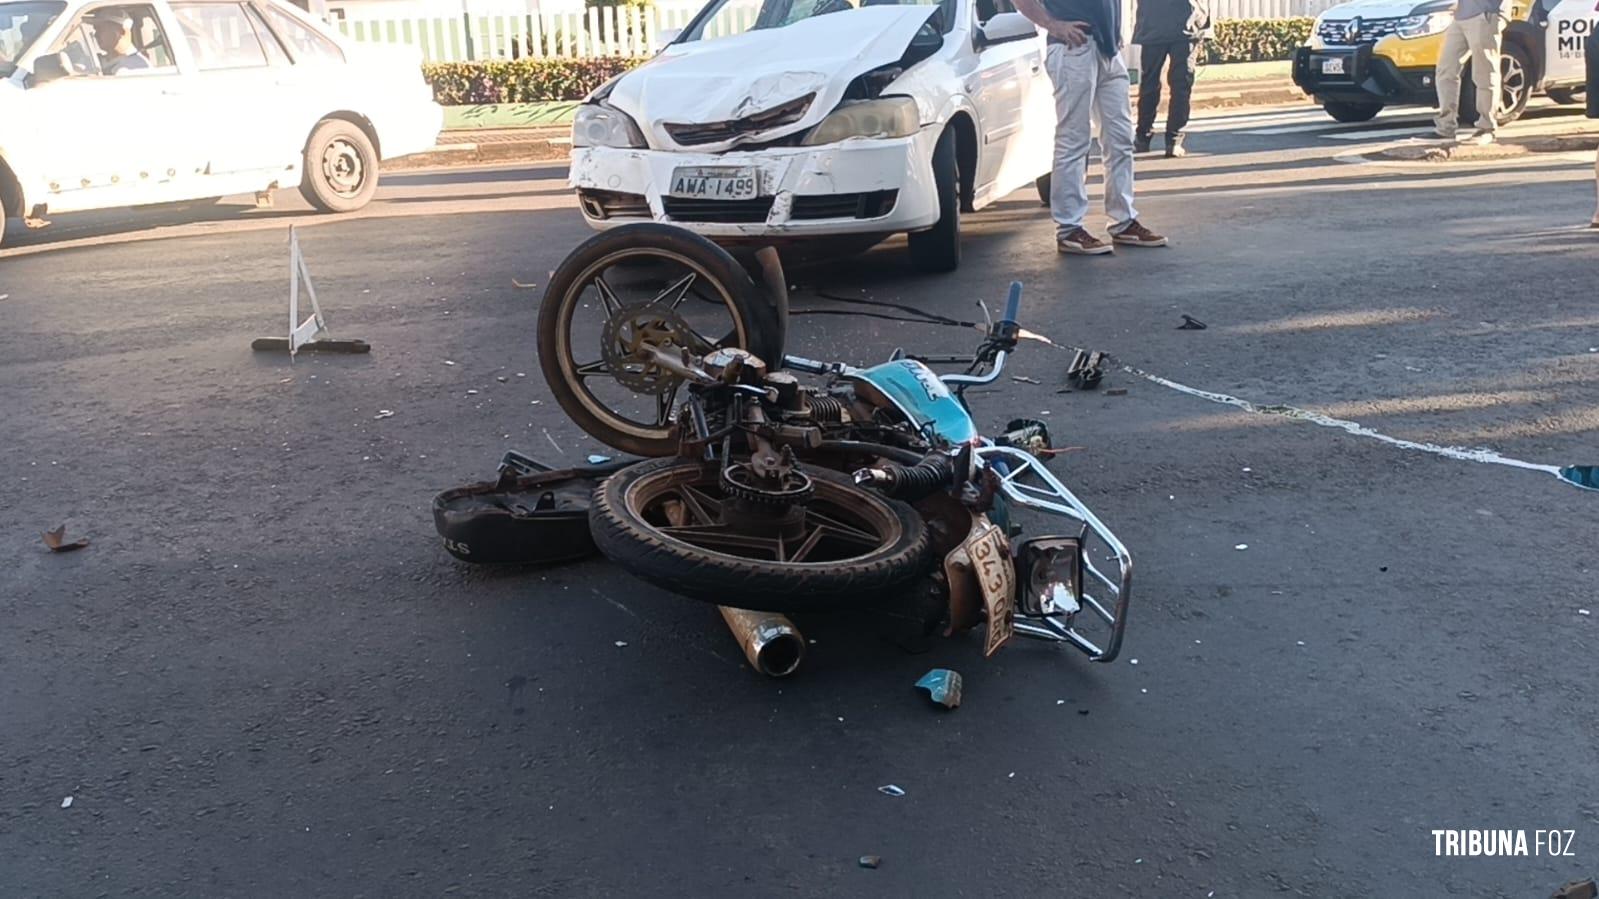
x=854 y=544
x=643 y=283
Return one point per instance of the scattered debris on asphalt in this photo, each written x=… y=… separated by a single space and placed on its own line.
x=1116 y=391
x=870 y=861
x=598 y=459
x=1577 y=889
x=621 y=643
x=67 y=802
x=1086 y=368
x=552 y=442
x=383 y=413
x=1082 y=711
x=1191 y=324
x=1133 y=661
x=1584 y=612
x=1241 y=547
x=56 y=540
x=449 y=362
x=890 y=790
x=1023 y=379
x=943 y=686
x=520 y=286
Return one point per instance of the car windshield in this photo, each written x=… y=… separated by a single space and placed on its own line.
x=20 y=25
x=724 y=18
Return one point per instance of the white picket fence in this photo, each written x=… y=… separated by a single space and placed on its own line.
x=594 y=32
x=630 y=31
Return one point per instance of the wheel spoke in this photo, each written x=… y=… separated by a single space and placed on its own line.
x=592 y=369
x=711 y=535
x=677 y=291
x=842 y=531
x=809 y=544
x=701 y=505
x=608 y=296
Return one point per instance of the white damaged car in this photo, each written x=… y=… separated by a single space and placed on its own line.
x=783 y=119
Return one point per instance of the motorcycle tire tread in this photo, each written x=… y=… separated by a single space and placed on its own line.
x=749 y=583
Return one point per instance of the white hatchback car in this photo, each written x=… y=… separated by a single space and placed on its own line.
x=110 y=104
x=774 y=119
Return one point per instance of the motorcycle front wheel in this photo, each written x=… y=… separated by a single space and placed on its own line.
x=626 y=293
x=673 y=523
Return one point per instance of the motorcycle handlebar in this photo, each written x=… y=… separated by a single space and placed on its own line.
x=1013 y=303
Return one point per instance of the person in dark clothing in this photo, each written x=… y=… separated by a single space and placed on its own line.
x=1167 y=31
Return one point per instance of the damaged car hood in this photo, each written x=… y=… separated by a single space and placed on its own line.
x=733 y=78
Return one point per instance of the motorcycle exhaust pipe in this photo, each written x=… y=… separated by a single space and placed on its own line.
x=770 y=641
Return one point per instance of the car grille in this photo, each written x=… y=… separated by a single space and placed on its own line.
x=609 y=204
x=718 y=132
x=730 y=212
x=869 y=205
x=1337 y=31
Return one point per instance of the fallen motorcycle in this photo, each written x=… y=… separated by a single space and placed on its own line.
x=810 y=485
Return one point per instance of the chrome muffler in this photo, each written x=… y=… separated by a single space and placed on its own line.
x=770 y=641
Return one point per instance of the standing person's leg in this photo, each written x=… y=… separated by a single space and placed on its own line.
x=1116 y=140
x=1482 y=35
x=1450 y=59
x=1071 y=71
x=1184 y=65
x=1151 y=59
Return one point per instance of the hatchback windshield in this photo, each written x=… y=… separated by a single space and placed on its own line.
x=724 y=18
x=20 y=25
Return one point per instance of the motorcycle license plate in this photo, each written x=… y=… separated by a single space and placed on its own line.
x=1332 y=65
x=996 y=575
x=715 y=183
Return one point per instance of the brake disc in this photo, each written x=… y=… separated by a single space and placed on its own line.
x=633 y=330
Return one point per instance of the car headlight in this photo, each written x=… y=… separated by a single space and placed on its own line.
x=891 y=117
x=603 y=126
x=1421 y=26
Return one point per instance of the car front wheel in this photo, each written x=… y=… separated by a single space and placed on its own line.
x=938 y=249
x=341 y=168
x=1344 y=111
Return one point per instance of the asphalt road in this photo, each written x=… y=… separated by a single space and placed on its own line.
x=264 y=677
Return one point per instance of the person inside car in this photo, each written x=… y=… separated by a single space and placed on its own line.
x=114 y=34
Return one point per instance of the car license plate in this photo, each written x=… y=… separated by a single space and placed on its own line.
x=724 y=183
x=996 y=574
x=1332 y=65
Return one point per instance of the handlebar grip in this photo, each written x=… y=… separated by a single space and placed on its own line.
x=1013 y=303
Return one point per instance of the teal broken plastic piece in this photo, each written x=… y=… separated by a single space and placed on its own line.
x=943 y=686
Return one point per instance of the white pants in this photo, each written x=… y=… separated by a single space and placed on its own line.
x=1478 y=38
x=1087 y=83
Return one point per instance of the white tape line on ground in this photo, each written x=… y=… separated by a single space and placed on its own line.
x=1359 y=430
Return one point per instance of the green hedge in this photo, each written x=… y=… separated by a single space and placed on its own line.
x=1257 y=40
x=520 y=80
x=526 y=80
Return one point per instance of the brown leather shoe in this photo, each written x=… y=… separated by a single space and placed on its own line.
x=1136 y=235
x=1079 y=242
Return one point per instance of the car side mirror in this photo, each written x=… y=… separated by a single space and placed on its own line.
x=47 y=68
x=663 y=39
x=1004 y=28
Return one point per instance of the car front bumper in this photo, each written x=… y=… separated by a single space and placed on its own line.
x=851 y=187
x=1367 y=77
